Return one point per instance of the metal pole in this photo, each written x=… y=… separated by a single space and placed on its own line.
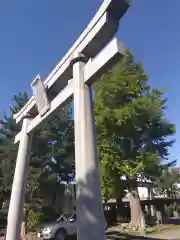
x=15 y=213
x=89 y=209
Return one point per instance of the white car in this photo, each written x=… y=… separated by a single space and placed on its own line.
x=62 y=227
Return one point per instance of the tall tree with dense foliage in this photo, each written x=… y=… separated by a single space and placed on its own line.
x=8 y=151
x=59 y=165
x=132 y=131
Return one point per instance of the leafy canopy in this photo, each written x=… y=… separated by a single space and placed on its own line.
x=132 y=131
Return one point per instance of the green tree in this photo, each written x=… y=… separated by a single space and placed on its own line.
x=53 y=143
x=131 y=127
x=60 y=159
x=111 y=184
x=167 y=182
x=8 y=151
x=51 y=160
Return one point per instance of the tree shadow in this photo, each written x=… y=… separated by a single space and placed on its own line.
x=174 y=221
x=115 y=235
x=124 y=236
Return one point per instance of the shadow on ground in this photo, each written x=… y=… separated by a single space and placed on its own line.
x=174 y=221
x=121 y=236
x=117 y=235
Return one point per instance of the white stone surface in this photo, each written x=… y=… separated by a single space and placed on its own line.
x=143 y=192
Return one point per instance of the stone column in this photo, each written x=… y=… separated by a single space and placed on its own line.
x=16 y=206
x=89 y=208
x=151 y=196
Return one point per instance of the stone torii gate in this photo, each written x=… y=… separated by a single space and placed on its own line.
x=86 y=60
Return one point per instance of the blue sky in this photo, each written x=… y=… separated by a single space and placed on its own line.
x=36 y=34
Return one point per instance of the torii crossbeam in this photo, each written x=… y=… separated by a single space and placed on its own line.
x=72 y=77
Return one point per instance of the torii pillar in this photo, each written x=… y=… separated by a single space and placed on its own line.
x=15 y=213
x=88 y=198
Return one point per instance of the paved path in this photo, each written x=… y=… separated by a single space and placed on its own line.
x=170 y=234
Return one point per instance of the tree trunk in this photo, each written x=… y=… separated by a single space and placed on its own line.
x=2 y=199
x=118 y=202
x=137 y=217
x=54 y=197
x=1 y=203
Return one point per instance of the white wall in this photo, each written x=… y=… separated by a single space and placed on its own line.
x=143 y=193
